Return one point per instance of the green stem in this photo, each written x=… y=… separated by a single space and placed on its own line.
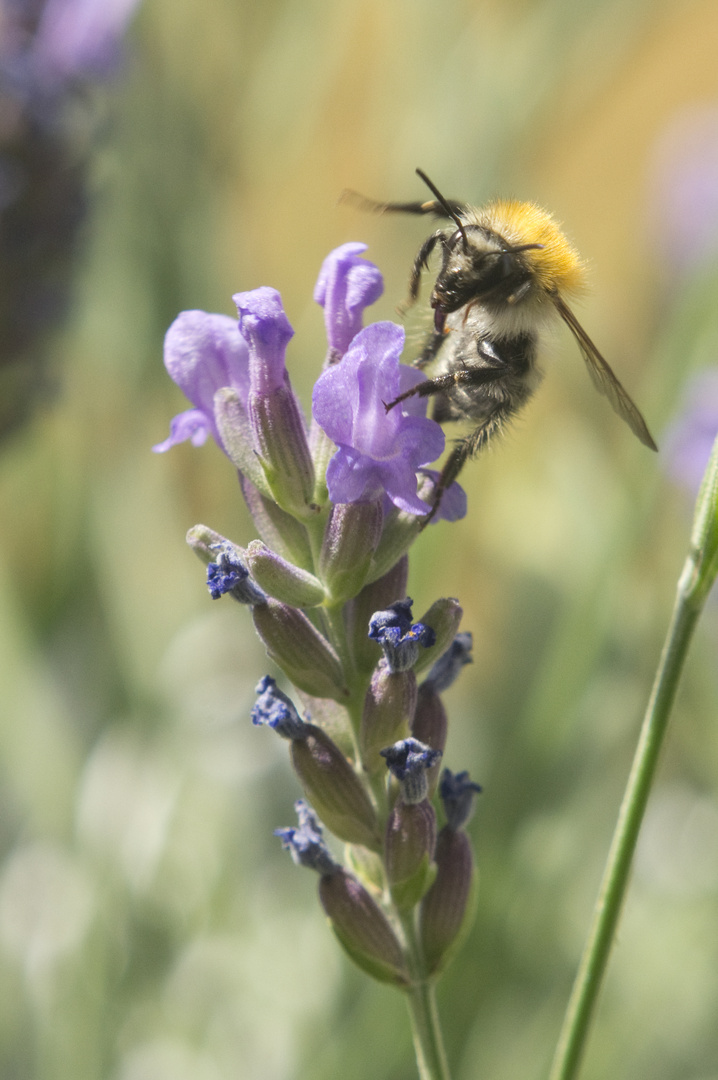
x=421 y=1000
x=589 y=978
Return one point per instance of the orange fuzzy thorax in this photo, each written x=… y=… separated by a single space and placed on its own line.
x=556 y=264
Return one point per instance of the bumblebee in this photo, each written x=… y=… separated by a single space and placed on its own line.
x=505 y=270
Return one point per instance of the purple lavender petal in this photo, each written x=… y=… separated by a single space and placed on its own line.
x=267 y=331
x=203 y=354
x=346 y=285
x=377 y=451
x=192 y=425
x=453 y=505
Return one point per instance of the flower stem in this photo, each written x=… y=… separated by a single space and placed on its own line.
x=421 y=1000
x=579 y=1013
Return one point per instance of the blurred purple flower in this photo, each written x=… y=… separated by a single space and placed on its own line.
x=81 y=38
x=51 y=52
x=683 y=189
x=377 y=451
x=689 y=440
x=345 y=286
x=203 y=354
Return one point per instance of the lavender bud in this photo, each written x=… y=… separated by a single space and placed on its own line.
x=378 y=594
x=362 y=928
x=279 y=530
x=281 y=579
x=408 y=851
x=327 y=778
x=398 y=637
x=305 y=656
x=400 y=531
x=388 y=708
x=205 y=542
x=448 y=908
x=444 y=617
x=447 y=667
x=235 y=431
x=352 y=533
x=334 y=788
x=429 y=726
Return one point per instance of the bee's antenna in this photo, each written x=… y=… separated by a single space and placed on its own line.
x=442 y=202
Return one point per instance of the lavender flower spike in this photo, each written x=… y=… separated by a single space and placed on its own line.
x=378 y=452
x=203 y=354
x=346 y=285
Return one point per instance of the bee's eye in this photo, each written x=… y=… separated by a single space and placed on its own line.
x=505 y=264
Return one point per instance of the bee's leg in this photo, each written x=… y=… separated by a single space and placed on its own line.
x=463 y=450
x=476 y=376
x=433 y=343
x=420 y=263
x=452 y=467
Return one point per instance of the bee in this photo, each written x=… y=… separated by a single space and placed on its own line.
x=505 y=271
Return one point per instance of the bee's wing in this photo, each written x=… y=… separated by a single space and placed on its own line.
x=603 y=378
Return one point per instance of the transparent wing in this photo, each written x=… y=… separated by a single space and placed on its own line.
x=603 y=378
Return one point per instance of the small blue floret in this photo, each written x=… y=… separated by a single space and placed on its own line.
x=229 y=574
x=443 y=673
x=276 y=710
x=457 y=792
x=305 y=844
x=398 y=637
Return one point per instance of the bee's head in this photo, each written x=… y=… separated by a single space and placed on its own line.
x=479 y=266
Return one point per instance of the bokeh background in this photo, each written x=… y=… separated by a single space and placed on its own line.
x=151 y=928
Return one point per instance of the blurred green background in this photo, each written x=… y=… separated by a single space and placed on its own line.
x=150 y=926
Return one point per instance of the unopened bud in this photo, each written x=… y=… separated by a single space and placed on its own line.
x=351 y=535
x=334 y=788
x=448 y=908
x=327 y=778
x=443 y=617
x=388 y=708
x=362 y=928
x=279 y=530
x=234 y=429
x=430 y=726
x=304 y=655
x=282 y=579
x=408 y=851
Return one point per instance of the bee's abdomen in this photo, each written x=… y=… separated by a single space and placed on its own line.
x=512 y=358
